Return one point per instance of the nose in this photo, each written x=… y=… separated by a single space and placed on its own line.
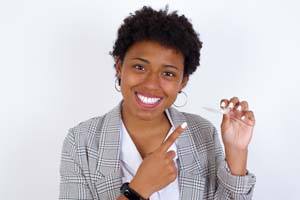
x=152 y=81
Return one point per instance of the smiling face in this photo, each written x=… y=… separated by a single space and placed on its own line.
x=151 y=77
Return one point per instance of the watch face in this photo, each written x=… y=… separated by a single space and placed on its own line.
x=126 y=193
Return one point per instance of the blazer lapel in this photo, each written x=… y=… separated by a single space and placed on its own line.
x=189 y=166
x=108 y=167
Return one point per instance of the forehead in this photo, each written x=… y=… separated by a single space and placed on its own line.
x=155 y=52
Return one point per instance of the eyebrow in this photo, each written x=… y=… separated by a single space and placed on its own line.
x=146 y=61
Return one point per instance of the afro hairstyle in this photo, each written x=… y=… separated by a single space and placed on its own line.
x=168 y=29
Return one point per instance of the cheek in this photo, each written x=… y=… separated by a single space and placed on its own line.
x=170 y=88
x=130 y=80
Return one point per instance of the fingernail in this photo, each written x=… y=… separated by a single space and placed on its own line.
x=225 y=111
x=243 y=118
x=183 y=125
x=223 y=104
x=239 y=108
x=231 y=105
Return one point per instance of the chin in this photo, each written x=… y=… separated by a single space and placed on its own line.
x=149 y=115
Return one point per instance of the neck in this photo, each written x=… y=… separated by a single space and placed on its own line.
x=152 y=127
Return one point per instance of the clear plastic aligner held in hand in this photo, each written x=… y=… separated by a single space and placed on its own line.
x=220 y=110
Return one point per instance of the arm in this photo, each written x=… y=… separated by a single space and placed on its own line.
x=73 y=183
x=230 y=186
x=234 y=182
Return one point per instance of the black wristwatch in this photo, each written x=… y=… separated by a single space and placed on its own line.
x=130 y=193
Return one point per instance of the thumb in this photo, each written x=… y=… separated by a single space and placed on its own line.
x=225 y=120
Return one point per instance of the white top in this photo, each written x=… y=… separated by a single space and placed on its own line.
x=131 y=160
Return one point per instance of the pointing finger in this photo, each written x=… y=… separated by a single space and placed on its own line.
x=172 y=138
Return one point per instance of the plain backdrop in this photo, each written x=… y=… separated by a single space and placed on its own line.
x=56 y=71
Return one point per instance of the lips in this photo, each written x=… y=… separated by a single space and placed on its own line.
x=148 y=101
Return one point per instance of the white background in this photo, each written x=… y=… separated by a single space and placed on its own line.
x=55 y=71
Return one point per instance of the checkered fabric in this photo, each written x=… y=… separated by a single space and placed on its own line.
x=90 y=164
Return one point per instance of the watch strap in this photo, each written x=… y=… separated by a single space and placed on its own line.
x=130 y=193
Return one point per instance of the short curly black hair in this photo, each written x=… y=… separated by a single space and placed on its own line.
x=168 y=29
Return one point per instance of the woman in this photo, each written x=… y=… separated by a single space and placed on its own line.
x=146 y=149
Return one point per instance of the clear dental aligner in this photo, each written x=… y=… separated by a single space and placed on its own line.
x=220 y=110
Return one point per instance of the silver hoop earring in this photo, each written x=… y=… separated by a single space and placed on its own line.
x=117 y=85
x=185 y=102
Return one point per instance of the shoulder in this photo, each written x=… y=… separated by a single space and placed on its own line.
x=198 y=122
x=87 y=126
x=86 y=132
x=202 y=129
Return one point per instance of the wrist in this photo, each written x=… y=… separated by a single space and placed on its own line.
x=237 y=161
x=130 y=193
x=140 y=189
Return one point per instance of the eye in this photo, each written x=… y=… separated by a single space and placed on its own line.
x=169 y=74
x=139 y=67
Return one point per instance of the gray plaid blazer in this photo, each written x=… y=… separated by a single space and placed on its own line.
x=90 y=164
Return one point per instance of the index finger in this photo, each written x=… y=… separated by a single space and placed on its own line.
x=172 y=138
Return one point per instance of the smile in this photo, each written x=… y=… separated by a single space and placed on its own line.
x=148 y=101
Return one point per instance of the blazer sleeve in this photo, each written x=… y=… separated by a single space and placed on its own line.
x=73 y=183
x=228 y=185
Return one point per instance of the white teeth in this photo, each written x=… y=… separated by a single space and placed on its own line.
x=148 y=100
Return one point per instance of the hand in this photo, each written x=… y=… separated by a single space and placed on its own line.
x=158 y=168
x=237 y=129
x=237 y=125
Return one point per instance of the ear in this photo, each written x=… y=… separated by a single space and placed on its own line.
x=184 y=81
x=118 y=67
